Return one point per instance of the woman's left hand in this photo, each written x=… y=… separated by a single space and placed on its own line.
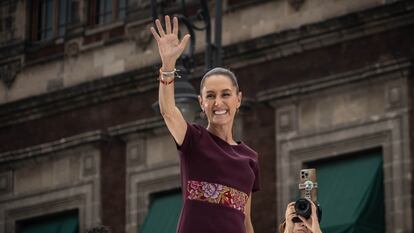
x=312 y=223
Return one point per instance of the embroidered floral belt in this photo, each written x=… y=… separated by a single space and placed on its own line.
x=217 y=194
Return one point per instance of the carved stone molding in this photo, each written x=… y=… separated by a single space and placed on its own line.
x=146 y=188
x=72 y=49
x=78 y=198
x=296 y=4
x=9 y=71
x=397 y=67
x=140 y=35
x=286 y=119
x=144 y=183
x=89 y=165
x=51 y=147
x=395 y=94
x=6 y=182
x=137 y=153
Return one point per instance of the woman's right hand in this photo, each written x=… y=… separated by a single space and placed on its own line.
x=289 y=215
x=169 y=45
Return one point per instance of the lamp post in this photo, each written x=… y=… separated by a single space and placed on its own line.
x=185 y=94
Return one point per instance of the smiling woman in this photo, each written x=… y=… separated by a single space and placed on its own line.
x=218 y=173
x=220 y=100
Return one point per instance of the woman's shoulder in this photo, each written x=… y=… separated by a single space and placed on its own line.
x=196 y=128
x=193 y=134
x=249 y=150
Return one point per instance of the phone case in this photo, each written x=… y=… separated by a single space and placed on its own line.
x=308 y=181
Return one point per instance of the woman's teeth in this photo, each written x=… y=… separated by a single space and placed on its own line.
x=221 y=112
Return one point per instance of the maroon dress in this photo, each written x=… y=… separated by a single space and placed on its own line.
x=216 y=179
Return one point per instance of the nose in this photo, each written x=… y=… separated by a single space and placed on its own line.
x=217 y=101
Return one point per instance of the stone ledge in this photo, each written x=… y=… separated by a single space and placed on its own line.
x=402 y=65
x=81 y=139
x=321 y=34
x=136 y=126
x=50 y=147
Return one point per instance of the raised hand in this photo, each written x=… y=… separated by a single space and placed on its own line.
x=169 y=45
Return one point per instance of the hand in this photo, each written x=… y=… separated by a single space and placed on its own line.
x=312 y=223
x=169 y=46
x=289 y=215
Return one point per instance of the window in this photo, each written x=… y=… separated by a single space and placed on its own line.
x=351 y=193
x=157 y=213
x=106 y=11
x=50 y=18
x=66 y=222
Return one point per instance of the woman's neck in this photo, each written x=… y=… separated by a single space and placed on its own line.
x=222 y=131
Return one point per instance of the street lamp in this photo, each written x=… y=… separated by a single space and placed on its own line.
x=185 y=94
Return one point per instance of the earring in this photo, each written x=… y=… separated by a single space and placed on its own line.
x=237 y=110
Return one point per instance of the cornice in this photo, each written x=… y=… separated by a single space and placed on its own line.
x=52 y=147
x=123 y=130
x=136 y=126
x=94 y=92
x=322 y=34
x=257 y=50
x=400 y=68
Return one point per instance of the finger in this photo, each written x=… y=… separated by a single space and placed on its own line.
x=175 y=26
x=184 y=42
x=155 y=34
x=167 y=24
x=291 y=216
x=314 y=211
x=304 y=220
x=159 y=27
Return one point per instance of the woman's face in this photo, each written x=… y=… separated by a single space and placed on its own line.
x=300 y=227
x=219 y=99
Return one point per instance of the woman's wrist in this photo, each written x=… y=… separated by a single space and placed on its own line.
x=168 y=67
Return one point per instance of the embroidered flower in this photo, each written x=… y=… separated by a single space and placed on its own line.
x=211 y=190
x=194 y=185
x=193 y=189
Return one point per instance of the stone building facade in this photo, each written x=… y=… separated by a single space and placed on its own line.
x=77 y=131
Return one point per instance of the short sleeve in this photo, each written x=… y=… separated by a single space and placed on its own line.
x=256 y=184
x=192 y=136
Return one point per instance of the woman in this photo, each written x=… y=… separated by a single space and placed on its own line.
x=310 y=225
x=218 y=174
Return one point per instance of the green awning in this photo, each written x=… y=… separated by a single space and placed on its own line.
x=351 y=193
x=63 y=223
x=163 y=214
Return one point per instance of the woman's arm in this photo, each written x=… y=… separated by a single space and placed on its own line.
x=170 y=49
x=247 y=217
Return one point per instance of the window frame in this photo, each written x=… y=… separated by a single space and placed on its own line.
x=35 y=14
x=94 y=13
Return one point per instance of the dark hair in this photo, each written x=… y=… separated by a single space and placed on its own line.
x=220 y=71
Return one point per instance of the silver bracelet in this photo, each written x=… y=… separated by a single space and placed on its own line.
x=170 y=73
